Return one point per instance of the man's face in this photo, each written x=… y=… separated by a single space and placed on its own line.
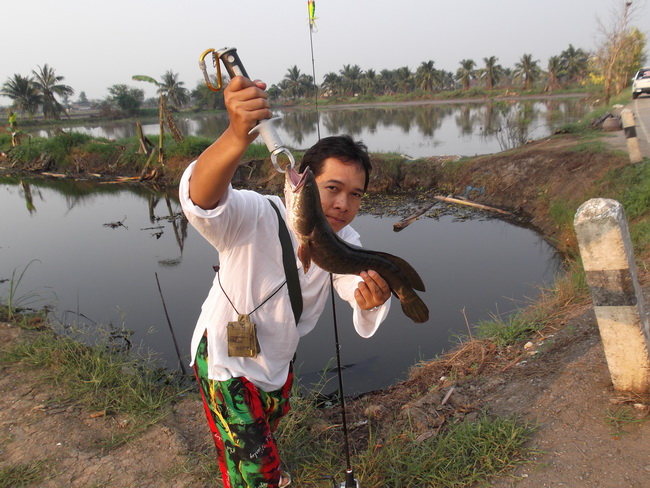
x=341 y=187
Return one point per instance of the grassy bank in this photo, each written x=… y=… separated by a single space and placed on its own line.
x=392 y=445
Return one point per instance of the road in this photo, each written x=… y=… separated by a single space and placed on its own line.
x=641 y=109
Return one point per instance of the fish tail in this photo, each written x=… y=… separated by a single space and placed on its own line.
x=415 y=309
x=304 y=254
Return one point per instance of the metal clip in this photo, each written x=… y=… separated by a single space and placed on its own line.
x=215 y=63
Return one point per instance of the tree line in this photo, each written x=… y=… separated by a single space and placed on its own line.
x=610 y=65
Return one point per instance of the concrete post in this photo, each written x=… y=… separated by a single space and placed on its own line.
x=608 y=259
x=627 y=119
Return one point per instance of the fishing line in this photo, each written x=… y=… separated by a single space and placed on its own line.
x=349 y=482
x=312 y=28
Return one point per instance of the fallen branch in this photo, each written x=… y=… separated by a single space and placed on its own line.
x=471 y=204
x=398 y=226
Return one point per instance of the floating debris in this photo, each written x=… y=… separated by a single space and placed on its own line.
x=119 y=223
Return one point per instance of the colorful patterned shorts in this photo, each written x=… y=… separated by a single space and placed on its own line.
x=242 y=419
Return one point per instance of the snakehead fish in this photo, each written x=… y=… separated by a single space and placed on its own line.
x=317 y=242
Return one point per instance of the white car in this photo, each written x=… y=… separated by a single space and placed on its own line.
x=641 y=82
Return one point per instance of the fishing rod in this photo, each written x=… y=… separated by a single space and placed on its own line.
x=232 y=62
x=350 y=481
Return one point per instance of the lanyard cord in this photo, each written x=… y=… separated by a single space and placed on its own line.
x=230 y=301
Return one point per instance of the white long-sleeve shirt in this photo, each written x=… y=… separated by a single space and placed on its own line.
x=243 y=228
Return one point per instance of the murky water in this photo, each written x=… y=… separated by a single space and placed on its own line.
x=414 y=130
x=99 y=248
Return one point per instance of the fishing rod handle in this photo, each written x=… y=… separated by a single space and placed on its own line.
x=354 y=484
x=234 y=66
x=232 y=62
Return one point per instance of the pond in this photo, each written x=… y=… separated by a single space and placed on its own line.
x=101 y=251
x=412 y=129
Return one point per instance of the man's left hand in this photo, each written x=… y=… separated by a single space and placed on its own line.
x=372 y=291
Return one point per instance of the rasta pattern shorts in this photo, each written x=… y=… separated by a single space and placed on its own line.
x=242 y=419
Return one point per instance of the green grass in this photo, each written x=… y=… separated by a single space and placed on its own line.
x=14 y=302
x=619 y=418
x=630 y=185
x=98 y=377
x=470 y=452
x=515 y=328
x=22 y=475
x=57 y=148
x=562 y=213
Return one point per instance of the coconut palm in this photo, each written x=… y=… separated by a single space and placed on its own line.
x=426 y=76
x=465 y=74
x=296 y=84
x=554 y=70
x=528 y=70
x=403 y=79
x=49 y=85
x=23 y=92
x=176 y=94
x=332 y=84
x=351 y=78
x=492 y=72
x=387 y=81
x=575 y=63
x=369 y=82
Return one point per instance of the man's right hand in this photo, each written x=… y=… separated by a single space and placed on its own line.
x=247 y=104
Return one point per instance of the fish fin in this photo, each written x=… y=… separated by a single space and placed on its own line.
x=415 y=309
x=304 y=254
x=414 y=278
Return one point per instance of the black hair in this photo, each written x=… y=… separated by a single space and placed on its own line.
x=343 y=148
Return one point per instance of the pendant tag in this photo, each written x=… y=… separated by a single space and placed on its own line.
x=242 y=338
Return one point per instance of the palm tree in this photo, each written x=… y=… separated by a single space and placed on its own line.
x=492 y=71
x=369 y=82
x=403 y=79
x=575 y=63
x=465 y=74
x=528 y=70
x=332 y=84
x=49 y=85
x=554 y=70
x=176 y=94
x=387 y=81
x=426 y=76
x=23 y=92
x=351 y=77
x=296 y=84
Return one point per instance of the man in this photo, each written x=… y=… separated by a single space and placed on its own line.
x=245 y=396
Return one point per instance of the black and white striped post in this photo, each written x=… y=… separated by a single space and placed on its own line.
x=608 y=259
x=627 y=120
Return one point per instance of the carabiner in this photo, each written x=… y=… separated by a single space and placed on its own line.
x=216 y=64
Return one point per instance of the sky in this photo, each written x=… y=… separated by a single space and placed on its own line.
x=95 y=45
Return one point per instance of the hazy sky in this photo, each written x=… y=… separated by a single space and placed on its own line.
x=98 y=44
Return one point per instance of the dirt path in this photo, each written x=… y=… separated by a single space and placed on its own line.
x=562 y=384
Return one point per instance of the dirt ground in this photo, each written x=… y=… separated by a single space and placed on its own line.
x=559 y=381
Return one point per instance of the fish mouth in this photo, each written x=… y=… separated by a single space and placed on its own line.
x=297 y=180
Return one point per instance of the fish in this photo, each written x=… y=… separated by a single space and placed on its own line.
x=318 y=243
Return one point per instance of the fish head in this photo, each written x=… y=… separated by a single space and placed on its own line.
x=302 y=199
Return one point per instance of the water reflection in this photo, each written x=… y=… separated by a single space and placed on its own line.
x=98 y=273
x=417 y=130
